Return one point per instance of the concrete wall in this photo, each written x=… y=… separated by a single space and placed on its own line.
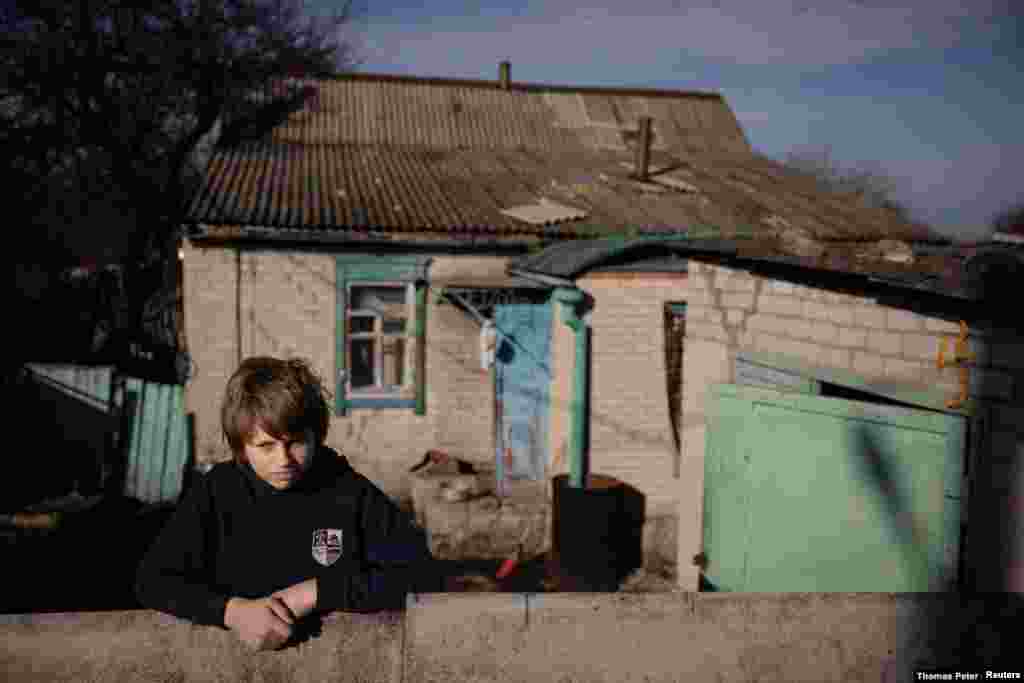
x=565 y=637
x=731 y=310
x=285 y=307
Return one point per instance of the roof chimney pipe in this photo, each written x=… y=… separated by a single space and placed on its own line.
x=643 y=149
x=503 y=74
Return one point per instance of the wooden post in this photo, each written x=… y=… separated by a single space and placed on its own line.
x=504 y=76
x=643 y=149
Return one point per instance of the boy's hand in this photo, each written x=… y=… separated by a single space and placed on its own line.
x=300 y=598
x=264 y=624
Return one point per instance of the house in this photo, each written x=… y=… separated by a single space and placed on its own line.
x=385 y=225
x=831 y=438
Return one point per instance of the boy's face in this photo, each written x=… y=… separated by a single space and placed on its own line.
x=279 y=463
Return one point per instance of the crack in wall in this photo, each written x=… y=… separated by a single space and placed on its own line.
x=733 y=331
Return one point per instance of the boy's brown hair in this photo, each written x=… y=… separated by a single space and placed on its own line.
x=284 y=398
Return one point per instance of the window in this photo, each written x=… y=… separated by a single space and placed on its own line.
x=381 y=322
x=380 y=340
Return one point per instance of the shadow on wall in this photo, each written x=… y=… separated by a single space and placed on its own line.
x=976 y=630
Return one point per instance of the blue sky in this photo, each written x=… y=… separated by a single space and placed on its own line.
x=929 y=90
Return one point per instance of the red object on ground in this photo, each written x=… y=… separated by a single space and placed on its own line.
x=506 y=568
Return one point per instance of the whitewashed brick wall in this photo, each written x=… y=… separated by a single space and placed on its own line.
x=730 y=310
x=288 y=309
x=630 y=431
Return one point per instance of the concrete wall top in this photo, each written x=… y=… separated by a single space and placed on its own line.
x=563 y=637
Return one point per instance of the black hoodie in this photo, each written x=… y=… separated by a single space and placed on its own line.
x=234 y=535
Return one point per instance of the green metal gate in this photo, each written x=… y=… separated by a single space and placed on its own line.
x=806 y=493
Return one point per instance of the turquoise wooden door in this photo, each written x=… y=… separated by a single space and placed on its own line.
x=804 y=493
x=523 y=379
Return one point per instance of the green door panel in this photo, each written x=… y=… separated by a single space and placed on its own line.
x=838 y=495
x=726 y=513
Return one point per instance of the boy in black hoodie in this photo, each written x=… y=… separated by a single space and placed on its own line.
x=287 y=528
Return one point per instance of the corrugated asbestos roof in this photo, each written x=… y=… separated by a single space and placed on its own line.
x=450 y=114
x=411 y=158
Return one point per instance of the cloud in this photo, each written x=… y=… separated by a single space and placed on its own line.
x=807 y=33
x=937 y=135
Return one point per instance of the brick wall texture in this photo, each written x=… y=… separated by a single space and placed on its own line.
x=630 y=429
x=287 y=309
x=731 y=310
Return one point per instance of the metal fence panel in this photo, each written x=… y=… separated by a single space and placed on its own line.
x=153 y=434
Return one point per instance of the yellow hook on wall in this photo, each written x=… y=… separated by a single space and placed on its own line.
x=960 y=355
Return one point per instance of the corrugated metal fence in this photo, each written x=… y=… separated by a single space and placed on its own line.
x=152 y=443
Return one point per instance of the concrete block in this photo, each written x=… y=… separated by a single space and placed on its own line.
x=869 y=316
x=738 y=300
x=565 y=637
x=816 y=310
x=832 y=311
x=901 y=369
x=697 y=312
x=896 y=319
x=941 y=326
x=886 y=343
x=831 y=357
x=703 y=297
x=852 y=336
x=781 y=326
x=921 y=346
x=780 y=287
x=868 y=364
x=824 y=333
x=791 y=347
x=465 y=637
x=704 y=330
x=734 y=316
x=782 y=305
x=149 y=646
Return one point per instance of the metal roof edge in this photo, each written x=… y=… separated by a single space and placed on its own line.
x=235 y=234
x=619 y=246
x=520 y=85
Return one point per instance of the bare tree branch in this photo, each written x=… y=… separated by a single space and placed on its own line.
x=870 y=182
x=103 y=103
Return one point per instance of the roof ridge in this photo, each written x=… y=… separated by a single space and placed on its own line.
x=519 y=85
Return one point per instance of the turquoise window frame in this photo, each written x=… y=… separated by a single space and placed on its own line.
x=385 y=270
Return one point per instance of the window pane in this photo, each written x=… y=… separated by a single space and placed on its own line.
x=361 y=323
x=362 y=362
x=381 y=299
x=394 y=361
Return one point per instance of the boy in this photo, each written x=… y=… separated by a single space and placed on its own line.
x=287 y=528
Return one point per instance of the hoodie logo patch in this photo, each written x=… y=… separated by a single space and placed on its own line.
x=327 y=546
